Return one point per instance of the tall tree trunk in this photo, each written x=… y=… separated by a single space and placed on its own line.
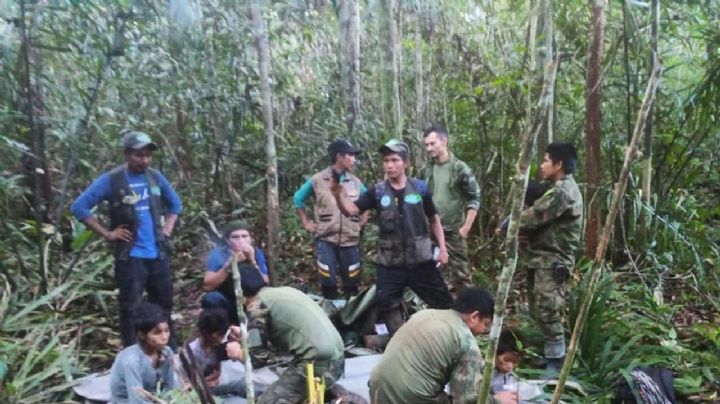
x=34 y=162
x=548 y=37
x=520 y=181
x=592 y=128
x=349 y=18
x=419 y=97
x=599 y=260
x=392 y=66
x=647 y=140
x=273 y=203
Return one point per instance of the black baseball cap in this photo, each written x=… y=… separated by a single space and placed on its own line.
x=396 y=146
x=137 y=140
x=341 y=146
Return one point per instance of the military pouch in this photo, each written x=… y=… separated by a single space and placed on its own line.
x=561 y=273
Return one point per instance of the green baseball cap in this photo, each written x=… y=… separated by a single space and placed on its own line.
x=137 y=140
x=396 y=146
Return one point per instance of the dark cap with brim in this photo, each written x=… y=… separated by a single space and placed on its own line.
x=341 y=146
x=396 y=146
x=135 y=140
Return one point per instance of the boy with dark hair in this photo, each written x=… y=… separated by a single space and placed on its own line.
x=435 y=348
x=146 y=365
x=406 y=218
x=208 y=350
x=553 y=226
x=507 y=358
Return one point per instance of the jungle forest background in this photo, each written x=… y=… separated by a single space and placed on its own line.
x=244 y=96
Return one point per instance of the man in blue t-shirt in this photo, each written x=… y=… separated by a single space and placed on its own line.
x=218 y=276
x=143 y=208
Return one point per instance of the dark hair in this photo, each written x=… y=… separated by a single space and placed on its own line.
x=535 y=189
x=147 y=316
x=212 y=321
x=437 y=129
x=564 y=152
x=475 y=299
x=508 y=342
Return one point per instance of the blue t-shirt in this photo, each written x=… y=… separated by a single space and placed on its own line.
x=219 y=256
x=100 y=190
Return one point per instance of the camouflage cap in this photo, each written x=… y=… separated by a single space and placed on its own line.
x=137 y=140
x=396 y=146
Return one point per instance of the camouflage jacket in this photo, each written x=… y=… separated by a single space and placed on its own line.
x=464 y=192
x=554 y=226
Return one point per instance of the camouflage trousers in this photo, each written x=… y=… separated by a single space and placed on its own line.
x=546 y=300
x=291 y=388
x=457 y=275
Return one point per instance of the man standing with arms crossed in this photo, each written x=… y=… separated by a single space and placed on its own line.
x=139 y=231
x=337 y=236
x=553 y=226
x=456 y=194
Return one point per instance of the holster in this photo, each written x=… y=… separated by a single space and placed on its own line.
x=560 y=273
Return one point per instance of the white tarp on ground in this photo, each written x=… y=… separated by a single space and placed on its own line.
x=96 y=387
x=357 y=373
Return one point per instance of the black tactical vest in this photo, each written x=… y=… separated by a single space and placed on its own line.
x=404 y=239
x=123 y=212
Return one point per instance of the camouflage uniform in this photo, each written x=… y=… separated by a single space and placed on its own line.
x=291 y=322
x=434 y=348
x=553 y=226
x=453 y=196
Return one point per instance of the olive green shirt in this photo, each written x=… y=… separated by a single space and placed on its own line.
x=434 y=348
x=296 y=324
x=454 y=190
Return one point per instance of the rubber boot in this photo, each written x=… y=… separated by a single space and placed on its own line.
x=552 y=368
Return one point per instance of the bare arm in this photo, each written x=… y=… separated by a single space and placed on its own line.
x=439 y=235
x=364 y=218
x=306 y=223
x=169 y=225
x=121 y=233
x=346 y=207
x=213 y=280
x=469 y=220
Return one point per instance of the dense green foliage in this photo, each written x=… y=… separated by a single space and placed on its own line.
x=74 y=73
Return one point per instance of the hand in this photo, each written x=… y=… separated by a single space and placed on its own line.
x=310 y=226
x=235 y=333
x=167 y=230
x=266 y=279
x=120 y=233
x=213 y=379
x=464 y=231
x=234 y=351
x=443 y=257
x=507 y=397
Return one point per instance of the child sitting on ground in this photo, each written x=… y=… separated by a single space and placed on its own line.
x=506 y=359
x=208 y=350
x=146 y=365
